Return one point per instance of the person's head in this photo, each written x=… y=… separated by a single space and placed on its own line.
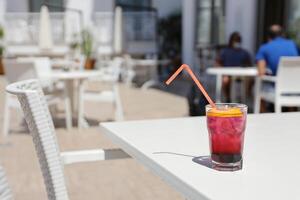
x=235 y=40
x=274 y=31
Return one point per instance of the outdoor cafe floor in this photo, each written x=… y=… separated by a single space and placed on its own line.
x=118 y=179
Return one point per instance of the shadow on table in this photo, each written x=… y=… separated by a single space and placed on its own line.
x=202 y=160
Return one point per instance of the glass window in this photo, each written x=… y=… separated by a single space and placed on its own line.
x=204 y=22
x=35 y=5
x=134 y=5
x=210 y=22
x=139 y=19
x=140 y=26
x=293 y=20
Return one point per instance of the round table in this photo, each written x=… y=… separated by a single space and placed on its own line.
x=219 y=72
x=66 y=63
x=70 y=78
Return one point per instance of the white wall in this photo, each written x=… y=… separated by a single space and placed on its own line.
x=241 y=17
x=167 y=7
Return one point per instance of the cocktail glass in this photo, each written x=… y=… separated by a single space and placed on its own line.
x=226 y=126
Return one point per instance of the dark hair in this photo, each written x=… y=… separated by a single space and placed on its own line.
x=274 y=31
x=234 y=37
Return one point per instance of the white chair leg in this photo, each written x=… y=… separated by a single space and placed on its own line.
x=218 y=88
x=257 y=97
x=233 y=90
x=257 y=105
x=68 y=112
x=277 y=107
x=6 y=117
x=119 y=115
x=243 y=89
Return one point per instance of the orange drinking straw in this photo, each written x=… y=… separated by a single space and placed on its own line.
x=191 y=73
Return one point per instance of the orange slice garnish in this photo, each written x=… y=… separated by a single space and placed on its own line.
x=230 y=112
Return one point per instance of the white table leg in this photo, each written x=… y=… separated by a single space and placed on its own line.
x=69 y=84
x=69 y=102
x=82 y=123
x=80 y=104
x=77 y=113
x=218 y=88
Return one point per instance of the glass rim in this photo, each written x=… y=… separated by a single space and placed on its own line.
x=238 y=105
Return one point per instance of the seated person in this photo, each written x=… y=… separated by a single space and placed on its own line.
x=232 y=56
x=269 y=54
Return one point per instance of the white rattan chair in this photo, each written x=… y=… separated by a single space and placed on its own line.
x=41 y=127
x=109 y=77
x=19 y=69
x=287 y=85
x=5 y=191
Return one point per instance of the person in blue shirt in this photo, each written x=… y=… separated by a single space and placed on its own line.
x=233 y=55
x=269 y=54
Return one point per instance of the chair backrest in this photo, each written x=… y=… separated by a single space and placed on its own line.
x=116 y=68
x=5 y=191
x=18 y=71
x=288 y=75
x=112 y=70
x=41 y=127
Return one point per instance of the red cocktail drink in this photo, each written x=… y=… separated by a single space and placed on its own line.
x=226 y=125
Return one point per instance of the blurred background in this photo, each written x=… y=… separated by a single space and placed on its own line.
x=137 y=44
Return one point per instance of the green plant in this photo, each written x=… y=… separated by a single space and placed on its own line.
x=1 y=40
x=87 y=43
x=1 y=32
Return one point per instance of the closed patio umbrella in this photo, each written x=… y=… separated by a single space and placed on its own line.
x=45 y=33
x=118 y=31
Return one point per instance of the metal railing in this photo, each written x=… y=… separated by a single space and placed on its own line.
x=23 y=28
x=139 y=28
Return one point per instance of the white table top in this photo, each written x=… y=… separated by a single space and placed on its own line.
x=69 y=75
x=233 y=71
x=271 y=156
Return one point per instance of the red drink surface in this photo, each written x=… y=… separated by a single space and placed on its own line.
x=226 y=133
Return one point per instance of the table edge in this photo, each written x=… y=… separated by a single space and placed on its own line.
x=181 y=187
